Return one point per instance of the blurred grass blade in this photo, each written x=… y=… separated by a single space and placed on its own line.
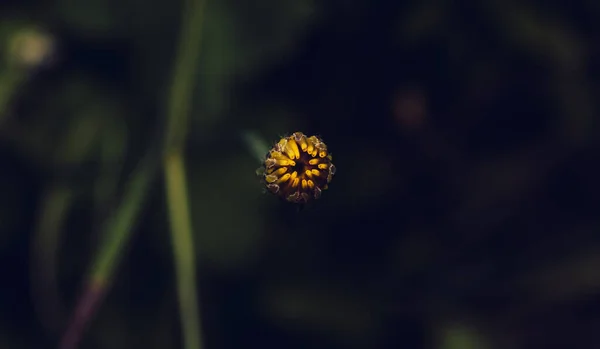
x=184 y=74
x=117 y=233
x=183 y=248
x=180 y=98
x=56 y=203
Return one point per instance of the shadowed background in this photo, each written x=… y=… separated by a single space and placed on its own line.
x=464 y=210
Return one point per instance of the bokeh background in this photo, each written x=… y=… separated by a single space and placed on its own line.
x=464 y=212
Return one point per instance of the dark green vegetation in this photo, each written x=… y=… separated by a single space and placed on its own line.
x=463 y=214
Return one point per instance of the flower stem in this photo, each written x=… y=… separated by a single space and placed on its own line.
x=184 y=74
x=186 y=63
x=183 y=248
x=119 y=227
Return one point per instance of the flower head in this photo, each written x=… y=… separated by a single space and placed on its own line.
x=298 y=168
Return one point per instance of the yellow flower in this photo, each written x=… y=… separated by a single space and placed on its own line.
x=298 y=168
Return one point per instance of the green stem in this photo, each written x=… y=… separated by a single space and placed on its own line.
x=116 y=235
x=120 y=225
x=184 y=74
x=183 y=248
x=56 y=203
x=180 y=98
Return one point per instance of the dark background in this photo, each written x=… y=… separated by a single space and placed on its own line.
x=464 y=210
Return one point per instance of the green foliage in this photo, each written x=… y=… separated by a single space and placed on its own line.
x=444 y=220
x=242 y=38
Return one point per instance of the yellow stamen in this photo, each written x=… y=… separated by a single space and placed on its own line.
x=322 y=166
x=308 y=173
x=285 y=162
x=280 y=171
x=295 y=182
x=313 y=161
x=292 y=149
x=278 y=155
x=280 y=146
x=270 y=178
x=301 y=139
x=311 y=184
x=304 y=184
x=322 y=154
x=315 y=172
x=284 y=178
x=310 y=144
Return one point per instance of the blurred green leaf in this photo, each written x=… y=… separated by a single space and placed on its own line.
x=240 y=39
